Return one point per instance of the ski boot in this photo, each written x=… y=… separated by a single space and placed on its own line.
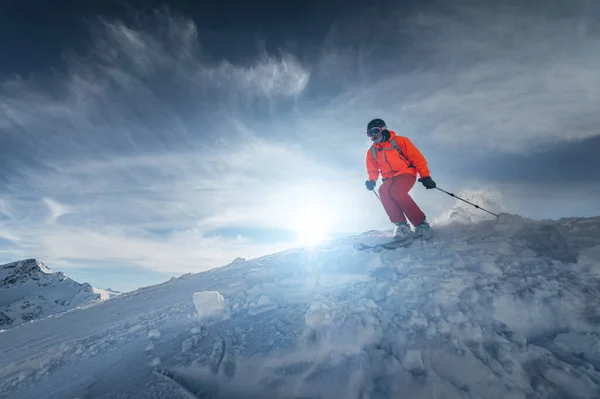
x=424 y=231
x=403 y=233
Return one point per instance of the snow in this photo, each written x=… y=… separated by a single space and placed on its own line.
x=506 y=308
x=462 y=212
x=105 y=294
x=155 y=361
x=154 y=334
x=208 y=304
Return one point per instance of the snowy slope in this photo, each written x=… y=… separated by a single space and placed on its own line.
x=502 y=309
x=29 y=290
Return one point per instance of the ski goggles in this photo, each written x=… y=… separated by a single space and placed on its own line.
x=374 y=131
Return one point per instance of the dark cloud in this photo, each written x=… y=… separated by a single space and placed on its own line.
x=567 y=163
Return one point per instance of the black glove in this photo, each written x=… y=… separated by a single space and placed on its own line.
x=370 y=185
x=427 y=182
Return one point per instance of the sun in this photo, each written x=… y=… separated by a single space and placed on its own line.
x=311 y=226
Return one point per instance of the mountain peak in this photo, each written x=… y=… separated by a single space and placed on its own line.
x=21 y=271
x=30 y=290
x=28 y=263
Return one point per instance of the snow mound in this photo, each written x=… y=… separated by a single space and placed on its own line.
x=503 y=308
x=208 y=304
x=461 y=212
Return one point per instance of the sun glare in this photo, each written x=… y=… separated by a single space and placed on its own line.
x=311 y=226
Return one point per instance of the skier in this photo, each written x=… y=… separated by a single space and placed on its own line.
x=398 y=161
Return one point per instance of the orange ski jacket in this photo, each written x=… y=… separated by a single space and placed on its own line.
x=395 y=157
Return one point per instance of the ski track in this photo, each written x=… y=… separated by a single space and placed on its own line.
x=501 y=309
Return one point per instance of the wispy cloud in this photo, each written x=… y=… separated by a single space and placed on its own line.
x=516 y=100
x=482 y=76
x=136 y=151
x=161 y=211
x=139 y=88
x=56 y=209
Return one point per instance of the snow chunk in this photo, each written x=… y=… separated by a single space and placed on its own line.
x=413 y=362
x=580 y=386
x=105 y=294
x=154 y=334
x=208 y=304
x=589 y=260
x=263 y=300
x=187 y=344
x=367 y=303
x=155 y=361
x=319 y=314
x=263 y=304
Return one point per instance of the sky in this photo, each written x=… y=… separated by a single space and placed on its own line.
x=140 y=140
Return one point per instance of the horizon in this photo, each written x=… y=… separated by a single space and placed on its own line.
x=465 y=215
x=143 y=141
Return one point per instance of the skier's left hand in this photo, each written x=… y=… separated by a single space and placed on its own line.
x=427 y=182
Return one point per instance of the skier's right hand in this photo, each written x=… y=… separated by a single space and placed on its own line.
x=370 y=185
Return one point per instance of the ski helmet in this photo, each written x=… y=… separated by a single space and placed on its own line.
x=376 y=129
x=376 y=123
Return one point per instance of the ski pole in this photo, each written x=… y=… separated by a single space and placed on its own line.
x=377 y=195
x=470 y=203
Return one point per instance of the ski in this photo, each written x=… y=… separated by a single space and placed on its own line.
x=391 y=245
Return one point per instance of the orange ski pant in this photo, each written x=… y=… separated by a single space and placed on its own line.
x=397 y=203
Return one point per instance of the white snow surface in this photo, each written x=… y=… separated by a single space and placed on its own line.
x=506 y=308
x=29 y=290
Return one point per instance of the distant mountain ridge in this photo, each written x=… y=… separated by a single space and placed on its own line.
x=29 y=290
